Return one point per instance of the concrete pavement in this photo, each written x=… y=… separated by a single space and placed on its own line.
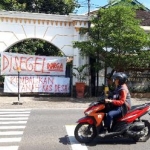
x=43 y=102
x=6 y=102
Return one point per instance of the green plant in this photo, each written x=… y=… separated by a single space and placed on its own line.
x=80 y=73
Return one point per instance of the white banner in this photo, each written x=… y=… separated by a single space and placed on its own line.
x=45 y=84
x=32 y=64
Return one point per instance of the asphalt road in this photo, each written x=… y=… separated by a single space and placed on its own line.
x=46 y=130
x=52 y=129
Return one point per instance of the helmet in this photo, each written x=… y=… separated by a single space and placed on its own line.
x=122 y=77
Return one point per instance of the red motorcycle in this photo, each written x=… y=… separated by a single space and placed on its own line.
x=131 y=125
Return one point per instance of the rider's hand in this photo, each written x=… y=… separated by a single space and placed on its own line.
x=108 y=101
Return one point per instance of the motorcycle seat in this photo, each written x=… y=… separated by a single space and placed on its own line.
x=138 y=107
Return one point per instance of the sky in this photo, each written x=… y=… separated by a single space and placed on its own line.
x=94 y=4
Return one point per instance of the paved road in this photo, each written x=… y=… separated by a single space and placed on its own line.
x=48 y=123
x=36 y=129
x=51 y=129
x=12 y=125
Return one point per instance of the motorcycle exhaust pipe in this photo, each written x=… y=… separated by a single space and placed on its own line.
x=135 y=134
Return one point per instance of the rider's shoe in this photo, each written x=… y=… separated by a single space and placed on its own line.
x=104 y=131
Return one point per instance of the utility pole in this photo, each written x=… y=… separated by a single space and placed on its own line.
x=88 y=7
x=90 y=88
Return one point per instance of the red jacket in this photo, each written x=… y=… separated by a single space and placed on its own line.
x=122 y=96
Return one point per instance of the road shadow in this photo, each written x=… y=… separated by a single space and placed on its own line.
x=97 y=141
x=64 y=140
x=111 y=141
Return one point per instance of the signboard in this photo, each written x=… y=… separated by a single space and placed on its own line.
x=32 y=64
x=44 y=84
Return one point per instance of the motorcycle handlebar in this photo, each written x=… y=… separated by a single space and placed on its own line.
x=101 y=100
x=97 y=102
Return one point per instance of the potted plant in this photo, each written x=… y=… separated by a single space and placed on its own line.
x=80 y=74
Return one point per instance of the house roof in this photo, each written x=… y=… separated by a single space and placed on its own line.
x=144 y=16
x=133 y=2
x=143 y=13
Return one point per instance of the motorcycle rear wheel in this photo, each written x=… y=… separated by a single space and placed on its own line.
x=145 y=137
x=85 y=133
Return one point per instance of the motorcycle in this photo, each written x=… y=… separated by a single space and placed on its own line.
x=130 y=125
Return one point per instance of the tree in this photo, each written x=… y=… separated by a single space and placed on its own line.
x=61 y=7
x=35 y=47
x=116 y=38
x=12 y=5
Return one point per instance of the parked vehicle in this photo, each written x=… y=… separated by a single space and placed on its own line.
x=131 y=125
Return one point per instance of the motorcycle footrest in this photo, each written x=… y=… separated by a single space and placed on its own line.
x=111 y=134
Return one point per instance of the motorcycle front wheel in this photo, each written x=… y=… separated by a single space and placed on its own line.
x=85 y=133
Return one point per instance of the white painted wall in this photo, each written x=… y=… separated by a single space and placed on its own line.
x=59 y=30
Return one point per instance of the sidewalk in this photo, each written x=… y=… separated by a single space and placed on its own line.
x=54 y=102
x=44 y=102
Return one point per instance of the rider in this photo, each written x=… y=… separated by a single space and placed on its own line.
x=121 y=99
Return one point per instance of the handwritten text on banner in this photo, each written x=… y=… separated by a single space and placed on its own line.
x=32 y=64
x=43 y=84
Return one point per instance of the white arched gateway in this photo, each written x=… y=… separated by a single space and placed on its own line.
x=59 y=30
